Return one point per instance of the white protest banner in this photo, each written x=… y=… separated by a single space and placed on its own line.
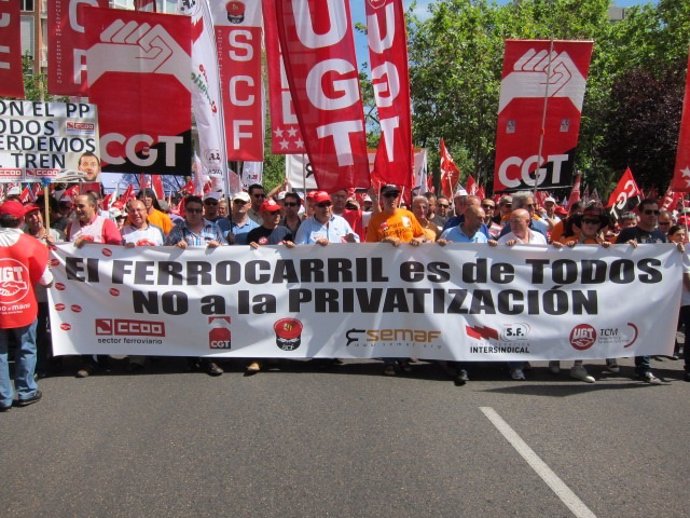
x=458 y=302
x=45 y=140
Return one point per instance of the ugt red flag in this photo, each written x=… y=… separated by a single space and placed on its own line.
x=238 y=39
x=625 y=196
x=11 y=78
x=318 y=48
x=681 y=173
x=390 y=79
x=138 y=75
x=542 y=90
x=449 y=172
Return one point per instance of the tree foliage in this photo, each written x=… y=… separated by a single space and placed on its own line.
x=634 y=90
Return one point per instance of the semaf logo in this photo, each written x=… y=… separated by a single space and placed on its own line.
x=127 y=327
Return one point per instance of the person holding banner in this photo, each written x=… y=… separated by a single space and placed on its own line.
x=588 y=229
x=196 y=232
x=325 y=227
x=90 y=227
x=24 y=261
x=645 y=232
x=138 y=231
x=525 y=200
x=240 y=222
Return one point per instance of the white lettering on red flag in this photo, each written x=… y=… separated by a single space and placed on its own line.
x=390 y=79
x=625 y=196
x=321 y=67
x=138 y=74
x=681 y=173
x=67 y=45
x=11 y=79
x=542 y=90
x=450 y=174
x=238 y=39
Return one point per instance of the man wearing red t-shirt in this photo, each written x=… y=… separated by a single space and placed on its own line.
x=23 y=263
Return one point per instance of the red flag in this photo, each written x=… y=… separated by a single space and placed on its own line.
x=157 y=137
x=25 y=196
x=575 y=191
x=449 y=172
x=286 y=135
x=127 y=195
x=106 y=201
x=238 y=38
x=671 y=199
x=11 y=77
x=626 y=194
x=542 y=90
x=187 y=188
x=472 y=186
x=144 y=182
x=390 y=79
x=67 y=45
x=681 y=172
x=321 y=67
x=481 y=193
x=157 y=186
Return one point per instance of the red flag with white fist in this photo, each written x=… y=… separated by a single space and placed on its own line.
x=542 y=91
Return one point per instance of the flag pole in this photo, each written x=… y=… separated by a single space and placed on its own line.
x=543 y=118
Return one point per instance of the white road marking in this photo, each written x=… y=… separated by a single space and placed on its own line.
x=570 y=499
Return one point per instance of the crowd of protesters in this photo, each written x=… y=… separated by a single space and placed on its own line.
x=291 y=219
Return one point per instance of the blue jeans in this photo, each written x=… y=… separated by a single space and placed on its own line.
x=24 y=363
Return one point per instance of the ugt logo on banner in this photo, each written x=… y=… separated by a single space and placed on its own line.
x=138 y=70
x=542 y=90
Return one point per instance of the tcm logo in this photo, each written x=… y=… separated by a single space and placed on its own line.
x=479 y=332
x=582 y=337
x=126 y=327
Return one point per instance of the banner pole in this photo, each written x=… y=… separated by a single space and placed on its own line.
x=543 y=118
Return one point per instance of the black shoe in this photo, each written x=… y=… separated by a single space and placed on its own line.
x=30 y=400
x=4 y=408
x=687 y=376
x=213 y=369
x=461 y=378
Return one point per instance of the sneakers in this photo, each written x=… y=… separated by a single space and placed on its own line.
x=578 y=372
x=389 y=370
x=85 y=371
x=649 y=377
x=554 y=367
x=212 y=368
x=461 y=378
x=612 y=365
x=517 y=374
x=30 y=400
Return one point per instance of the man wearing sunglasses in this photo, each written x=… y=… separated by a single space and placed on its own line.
x=291 y=205
x=240 y=222
x=325 y=227
x=394 y=225
x=645 y=232
x=212 y=213
x=257 y=197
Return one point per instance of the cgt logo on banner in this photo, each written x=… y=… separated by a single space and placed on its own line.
x=542 y=91
x=137 y=62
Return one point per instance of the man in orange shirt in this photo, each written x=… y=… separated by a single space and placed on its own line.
x=393 y=224
x=23 y=263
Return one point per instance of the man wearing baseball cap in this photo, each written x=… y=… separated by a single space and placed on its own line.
x=24 y=263
x=270 y=232
x=240 y=222
x=325 y=227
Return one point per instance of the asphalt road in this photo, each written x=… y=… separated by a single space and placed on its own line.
x=304 y=440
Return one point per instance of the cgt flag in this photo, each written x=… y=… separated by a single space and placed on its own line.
x=138 y=63
x=450 y=174
x=542 y=90
x=625 y=196
x=318 y=48
x=681 y=173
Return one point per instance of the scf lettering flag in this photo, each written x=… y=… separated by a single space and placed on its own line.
x=138 y=75
x=542 y=90
x=319 y=52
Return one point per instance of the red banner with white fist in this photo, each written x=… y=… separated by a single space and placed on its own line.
x=238 y=39
x=139 y=76
x=67 y=45
x=11 y=78
x=542 y=91
x=681 y=173
x=319 y=52
x=390 y=79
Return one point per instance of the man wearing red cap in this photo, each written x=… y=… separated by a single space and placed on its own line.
x=270 y=232
x=325 y=227
x=23 y=263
